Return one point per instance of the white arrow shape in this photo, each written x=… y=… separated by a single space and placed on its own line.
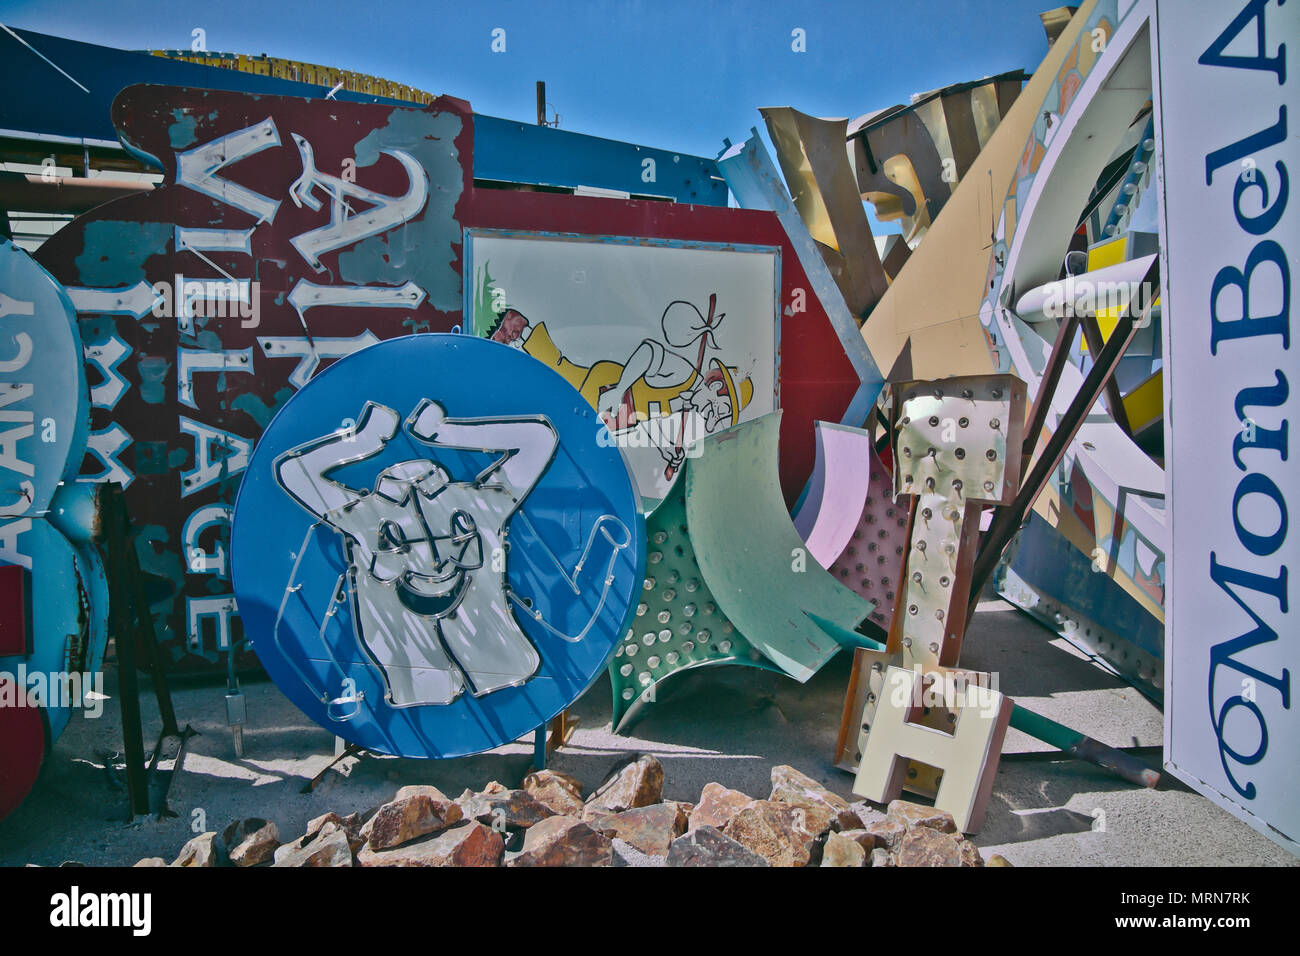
x=10 y=306
x=136 y=301
x=310 y=354
x=308 y=295
x=105 y=357
x=106 y=445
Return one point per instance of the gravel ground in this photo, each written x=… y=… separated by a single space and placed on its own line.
x=729 y=724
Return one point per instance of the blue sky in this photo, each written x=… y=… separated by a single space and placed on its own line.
x=675 y=74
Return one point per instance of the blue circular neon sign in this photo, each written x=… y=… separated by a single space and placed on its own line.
x=432 y=553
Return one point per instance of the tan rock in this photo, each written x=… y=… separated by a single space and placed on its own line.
x=841 y=850
x=881 y=857
x=863 y=838
x=564 y=841
x=425 y=789
x=848 y=819
x=546 y=778
x=250 y=842
x=799 y=789
x=970 y=854
x=650 y=829
x=355 y=840
x=708 y=846
x=465 y=844
x=866 y=812
x=599 y=819
x=326 y=850
x=717 y=806
x=147 y=861
x=888 y=833
x=782 y=834
x=559 y=792
x=408 y=818
x=201 y=851
x=503 y=809
x=913 y=815
x=997 y=859
x=324 y=825
x=638 y=784
x=926 y=846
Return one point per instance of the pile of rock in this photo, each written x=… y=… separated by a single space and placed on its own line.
x=625 y=822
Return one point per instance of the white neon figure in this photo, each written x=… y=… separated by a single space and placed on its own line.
x=428 y=604
x=346 y=224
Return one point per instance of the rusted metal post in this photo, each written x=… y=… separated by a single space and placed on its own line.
x=1114 y=397
x=1047 y=384
x=125 y=634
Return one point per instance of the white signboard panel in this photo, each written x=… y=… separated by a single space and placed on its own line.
x=669 y=342
x=1230 y=236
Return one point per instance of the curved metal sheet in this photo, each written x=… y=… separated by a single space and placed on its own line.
x=872 y=560
x=813 y=157
x=838 y=491
x=753 y=559
x=678 y=624
x=452 y=563
x=754 y=180
x=54 y=667
x=44 y=403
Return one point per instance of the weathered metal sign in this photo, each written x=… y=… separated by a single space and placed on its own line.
x=458 y=560
x=817 y=379
x=1229 y=237
x=53 y=610
x=44 y=412
x=668 y=341
x=288 y=233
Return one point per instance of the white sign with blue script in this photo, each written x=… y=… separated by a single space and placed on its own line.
x=1230 y=239
x=433 y=551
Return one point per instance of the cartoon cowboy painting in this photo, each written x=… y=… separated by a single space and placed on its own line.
x=694 y=392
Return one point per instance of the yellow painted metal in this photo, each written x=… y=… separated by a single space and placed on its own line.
x=1145 y=405
x=820 y=177
x=301 y=72
x=861 y=703
x=1110 y=252
x=935 y=301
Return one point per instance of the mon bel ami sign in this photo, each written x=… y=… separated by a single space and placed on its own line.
x=1230 y=238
